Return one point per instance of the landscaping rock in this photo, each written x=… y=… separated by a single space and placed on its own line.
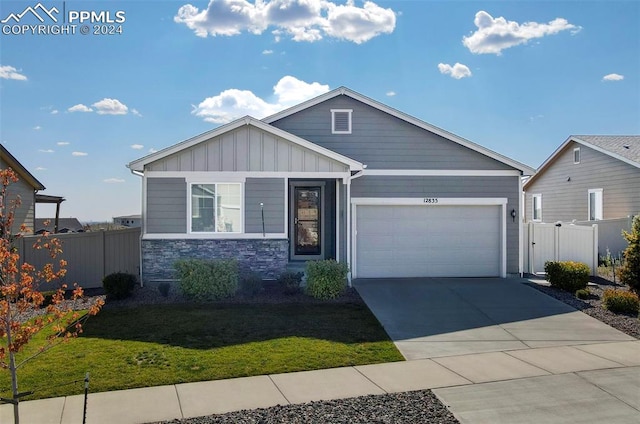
x=421 y=406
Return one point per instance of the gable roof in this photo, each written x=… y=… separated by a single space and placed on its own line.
x=138 y=165
x=24 y=174
x=625 y=148
x=344 y=91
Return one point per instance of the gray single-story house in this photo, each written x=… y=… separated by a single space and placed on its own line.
x=339 y=176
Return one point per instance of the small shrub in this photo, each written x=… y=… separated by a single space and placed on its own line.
x=48 y=297
x=290 y=281
x=569 y=276
x=630 y=272
x=620 y=301
x=119 y=285
x=164 y=288
x=251 y=283
x=207 y=280
x=583 y=294
x=326 y=279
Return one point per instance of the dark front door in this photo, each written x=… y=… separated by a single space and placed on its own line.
x=307 y=222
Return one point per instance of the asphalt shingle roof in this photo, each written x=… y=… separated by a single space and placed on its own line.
x=627 y=146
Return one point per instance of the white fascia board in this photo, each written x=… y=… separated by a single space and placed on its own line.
x=526 y=170
x=606 y=152
x=213 y=236
x=139 y=164
x=442 y=172
x=241 y=176
x=442 y=201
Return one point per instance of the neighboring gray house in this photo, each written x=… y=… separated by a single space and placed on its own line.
x=339 y=176
x=26 y=187
x=133 y=221
x=589 y=178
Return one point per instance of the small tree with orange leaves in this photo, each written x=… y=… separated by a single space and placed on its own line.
x=22 y=314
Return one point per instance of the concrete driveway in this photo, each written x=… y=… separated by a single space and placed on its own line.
x=437 y=317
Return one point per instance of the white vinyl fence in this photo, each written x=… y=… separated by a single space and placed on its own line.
x=610 y=235
x=559 y=242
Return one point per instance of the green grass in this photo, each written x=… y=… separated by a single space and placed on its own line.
x=168 y=344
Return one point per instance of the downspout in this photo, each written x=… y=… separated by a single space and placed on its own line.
x=142 y=223
x=348 y=206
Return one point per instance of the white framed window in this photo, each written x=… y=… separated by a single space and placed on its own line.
x=536 y=207
x=595 y=204
x=576 y=155
x=215 y=208
x=341 y=121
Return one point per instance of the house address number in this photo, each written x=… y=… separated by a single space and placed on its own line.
x=431 y=200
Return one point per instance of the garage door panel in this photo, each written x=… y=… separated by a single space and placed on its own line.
x=427 y=241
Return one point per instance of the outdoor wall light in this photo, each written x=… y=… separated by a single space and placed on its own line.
x=513 y=214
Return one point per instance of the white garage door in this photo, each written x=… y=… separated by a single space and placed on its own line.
x=427 y=241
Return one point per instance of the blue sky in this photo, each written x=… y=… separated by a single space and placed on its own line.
x=75 y=109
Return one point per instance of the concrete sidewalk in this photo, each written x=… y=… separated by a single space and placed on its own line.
x=588 y=383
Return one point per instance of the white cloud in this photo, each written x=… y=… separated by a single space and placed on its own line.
x=63 y=143
x=391 y=93
x=613 y=77
x=79 y=154
x=152 y=150
x=9 y=72
x=54 y=112
x=113 y=180
x=108 y=106
x=137 y=146
x=302 y=20
x=495 y=35
x=40 y=168
x=267 y=51
x=456 y=71
x=80 y=108
x=136 y=113
x=233 y=103
x=37 y=128
x=45 y=150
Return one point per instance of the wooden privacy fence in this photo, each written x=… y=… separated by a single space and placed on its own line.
x=559 y=242
x=90 y=256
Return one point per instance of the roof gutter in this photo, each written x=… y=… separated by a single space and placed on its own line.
x=358 y=174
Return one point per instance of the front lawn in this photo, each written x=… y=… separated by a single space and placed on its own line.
x=153 y=345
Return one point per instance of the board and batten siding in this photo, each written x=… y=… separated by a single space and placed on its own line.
x=270 y=192
x=564 y=200
x=166 y=205
x=247 y=149
x=25 y=214
x=382 y=141
x=420 y=187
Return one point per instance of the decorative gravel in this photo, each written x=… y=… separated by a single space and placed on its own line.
x=410 y=407
x=628 y=324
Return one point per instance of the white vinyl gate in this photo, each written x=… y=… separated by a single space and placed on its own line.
x=559 y=242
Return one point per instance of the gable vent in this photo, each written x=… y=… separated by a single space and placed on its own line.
x=341 y=121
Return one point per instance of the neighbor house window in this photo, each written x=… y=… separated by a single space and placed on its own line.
x=341 y=121
x=216 y=208
x=536 y=207
x=595 y=204
x=576 y=155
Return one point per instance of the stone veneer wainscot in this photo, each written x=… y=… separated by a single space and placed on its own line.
x=269 y=257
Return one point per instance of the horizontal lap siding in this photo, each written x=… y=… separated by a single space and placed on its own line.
x=271 y=192
x=564 y=200
x=166 y=205
x=483 y=187
x=382 y=141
